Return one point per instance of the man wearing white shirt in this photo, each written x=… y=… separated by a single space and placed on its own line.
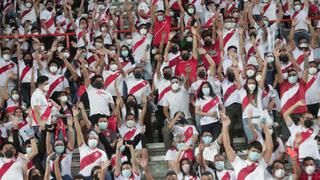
x=255 y=165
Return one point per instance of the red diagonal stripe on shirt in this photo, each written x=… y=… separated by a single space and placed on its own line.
x=110 y=79
x=6 y=67
x=246 y=171
x=138 y=43
x=54 y=85
x=228 y=37
x=5 y=167
x=24 y=72
x=138 y=87
x=206 y=108
x=89 y=159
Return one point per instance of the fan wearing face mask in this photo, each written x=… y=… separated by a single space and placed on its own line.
x=161 y=23
x=188 y=12
x=299 y=11
x=303 y=133
x=90 y=154
x=115 y=74
x=309 y=169
x=211 y=51
x=184 y=169
x=13 y=101
x=293 y=88
x=9 y=69
x=29 y=12
x=230 y=34
x=126 y=59
x=313 y=82
x=46 y=17
x=57 y=81
x=278 y=170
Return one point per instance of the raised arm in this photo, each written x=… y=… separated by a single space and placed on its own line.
x=117 y=170
x=186 y=81
x=286 y=115
x=291 y=35
x=276 y=53
x=174 y=120
x=263 y=74
x=130 y=18
x=34 y=150
x=71 y=134
x=134 y=161
x=144 y=109
x=80 y=138
x=305 y=65
x=194 y=42
x=226 y=138
x=269 y=144
x=48 y=143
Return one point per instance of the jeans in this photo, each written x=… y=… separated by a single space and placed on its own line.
x=234 y=111
x=25 y=92
x=160 y=122
x=248 y=131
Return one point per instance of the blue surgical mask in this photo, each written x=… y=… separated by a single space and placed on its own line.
x=254 y=156
x=126 y=173
x=103 y=125
x=219 y=165
x=181 y=145
x=59 y=149
x=207 y=139
x=292 y=79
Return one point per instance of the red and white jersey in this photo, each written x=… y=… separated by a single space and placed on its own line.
x=195 y=86
x=110 y=78
x=269 y=10
x=129 y=133
x=8 y=5
x=12 y=168
x=174 y=59
x=38 y=99
x=163 y=86
x=65 y=23
x=208 y=15
x=266 y=97
x=174 y=4
x=299 y=57
x=57 y=82
x=5 y=68
x=159 y=4
x=90 y=158
x=284 y=67
x=126 y=64
x=248 y=104
x=230 y=38
x=11 y=106
x=308 y=146
x=25 y=72
x=188 y=130
x=140 y=43
x=143 y=6
x=48 y=17
x=247 y=170
x=99 y=101
x=208 y=105
x=137 y=87
x=230 y=93
x=187 y=20
x=249 y=46
x=134 y=176
x=80 y=33
x=227 y=62
x=291 y=94
x=313 y=89
x=65 y=163
x=226 y=175
x=285 y=7
x=301 y=16
x=27 y=14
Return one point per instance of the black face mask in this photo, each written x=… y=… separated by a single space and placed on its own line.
x=98 y=85
x=28 y=62
x=284 y=58
x=253 y=34
x=167 y=76
x=202 y=74
x=138 y=75
x=185 y=56
x=308 y=123
x=131 y=103
x=230 y=77
x=208 y=43
x=36 y=177
x=174 y=49
x=8 y=154
x=182 y=121
x=50 y=8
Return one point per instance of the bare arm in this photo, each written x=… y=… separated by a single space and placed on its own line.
x=34 y=150
x=70 y=144
x=226 y=139
x=173 y=121
x=286 y=115
x=80 y=138
x=269 y=144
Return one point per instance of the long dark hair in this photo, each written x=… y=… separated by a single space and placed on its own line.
x=255 y=92
x=191 y=171
x=200 y=94
x=130 y=57
x=135 y=108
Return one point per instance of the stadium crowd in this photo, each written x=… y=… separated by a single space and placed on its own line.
x=209 y=71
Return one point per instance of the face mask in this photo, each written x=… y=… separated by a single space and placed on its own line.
x=98 y=45
x=64 y=98
x=113 y=67
x=258 y=77
x=312 y=71
x=111 y=23
x=309 y=169
x=167 y=76
x=292 y=79
x=253 y=34
x=174 y=49
x=60 y=48
x=129 y=42
x=130 y=123
x=126 y=173
x=143 y=31
x=50 y=8
x=181 y=146
x=250 y=73
x=185 y=56
x=175 y=86
x=66 y=55
x=236 y=15
x=207 y=139
x=138 y=75
x=125 y=53
x=279 y=173
x=270 y=59
x=131 y=103
x=46 y=88
x=207 y=43
x=15 y=96
x=160 y=18
x=230 y=77
x=266 y=23
x=285 y=75
x=254 y=156
x=189 y=39
x=92 y=143
x=190 y=10
x=284 y=58
x=6 y=57
x=219 y=165
x=59 y=149
x=53 y=69
x=103 y=125
x=297 y=7
x=8 y=154
x=251 y=87
x=28 y=5
x=122 y=148
x=202 y=74
x=28 y=150
x=98 y=85
x=103 y=29
x=308 y=123
x=303 y=45
x=206 y=91
x=186 y=168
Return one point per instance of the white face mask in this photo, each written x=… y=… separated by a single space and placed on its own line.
x=160 y=18
x=130 y=123
x=66 y=55
x=250 y=72
x=143 y=31
x=309 y=169
x=15 y=96
x=28 y=150
x=64 y=98
x=175 y=86
x=279 y=173
x=43 y=48
x=28 y=5
x=229 y=25
x=92 y=143
x=98 y=45
x=297 y=7
x=129 y=42
x=6 y=57
x=111 y=23
x=186 y=168
x=189 y=39
x=46 y=88
x=270 y=59
x=285 y=75
x=251 y=87
x=113 y=67
x=206 y=91
x=312 y=70
x=53 y=69
x=60 y=48
x=258 y=77
x=103 y=29
x=190 y=10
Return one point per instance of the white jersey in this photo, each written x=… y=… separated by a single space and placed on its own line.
x=301 y=16
x=137 y=87
x=65 y=162
x=230 y=38
x=143 y=6
x=299 y=56
x=188 y=130
x=313 y=89
x=110 y=78
x=247 y=105
x=13 y=168
x=269 y=10
x=210 y=151
x=203 y=104
x=48 y=17
x=25 y=72
x=226 y=173
x=99 y=101
x=238 y=164
x=178 y=101
x=27 y=14
x=163 y=86
x=140 y=43
x=230 y=93
x=57 y=83
x=80 y=34
x=5 y=68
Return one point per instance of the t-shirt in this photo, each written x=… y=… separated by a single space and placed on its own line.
x=210 y=151
x=99 y=101
x=178 y=101
x=238 y=164
x=203 y=103
x=16 y=170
